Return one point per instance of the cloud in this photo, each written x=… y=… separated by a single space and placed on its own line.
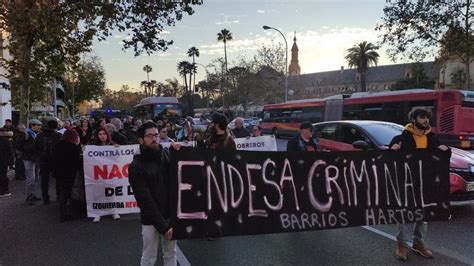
x=260 y=11
x=118 y=36
x=229 y=20
x=318 y=50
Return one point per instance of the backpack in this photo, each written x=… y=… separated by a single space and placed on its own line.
x=45 y=147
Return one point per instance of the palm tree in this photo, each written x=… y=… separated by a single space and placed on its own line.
x=224 y=36
x=362 y=56
x=147 y=69
x=183 y=70
x=193 y=52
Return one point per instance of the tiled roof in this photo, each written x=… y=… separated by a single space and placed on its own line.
x=377 y=74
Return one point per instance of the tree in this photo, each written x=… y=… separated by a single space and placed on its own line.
x=413 y=29
x=85 y=82
x=147 y=69
x=193 y=52
x=47 y=35
x=416 y=79
x=362 y=56
x=272 y=56
x=458 y=78
x=123 y=99
x=224 y=36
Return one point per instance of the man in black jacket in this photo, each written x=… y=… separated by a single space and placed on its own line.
x=44 y=145
x=304 y=141
x=417 y=135
x=149 y=177
x=6 y=159
x=30 y=157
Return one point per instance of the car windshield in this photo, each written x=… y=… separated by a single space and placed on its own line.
x=383 y=133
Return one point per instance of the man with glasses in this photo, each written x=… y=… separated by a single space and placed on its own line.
x=304 y=141
x=149 y=176
x=417 y=135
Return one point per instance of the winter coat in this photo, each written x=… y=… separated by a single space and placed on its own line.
x=7 y=156
x=66 y=161
x=26 y=145
x=221 y=142
x=44 y=145
x=240 y=132
x=297 y=144
x=408 y=142
x=148 y=175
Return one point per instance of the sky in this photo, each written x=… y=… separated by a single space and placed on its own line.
x=325 y=29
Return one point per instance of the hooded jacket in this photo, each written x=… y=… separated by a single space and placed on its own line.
x=149 y=178
x=411 y=140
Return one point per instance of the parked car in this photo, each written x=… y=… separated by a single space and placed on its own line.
x=255 y=121
x=375 y=135
x=247 y=124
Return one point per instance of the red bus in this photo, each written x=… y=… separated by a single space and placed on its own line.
x=452 y=121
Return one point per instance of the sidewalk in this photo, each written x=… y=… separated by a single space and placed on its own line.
x=33 y=235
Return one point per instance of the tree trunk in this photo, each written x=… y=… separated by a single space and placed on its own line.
x=225 y=55
x=362 y=82
x=191 y=93
x=24 y=75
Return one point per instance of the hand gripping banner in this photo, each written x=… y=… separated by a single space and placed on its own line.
x=215 y=194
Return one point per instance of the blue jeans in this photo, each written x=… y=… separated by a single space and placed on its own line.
x=32 y=177
x=419 y=232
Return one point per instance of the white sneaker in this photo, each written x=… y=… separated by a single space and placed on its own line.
x=116 y=216
x=96 y=219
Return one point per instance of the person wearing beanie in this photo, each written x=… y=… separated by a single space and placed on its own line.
x=304 y=141
x=30 y=157
x=44 y=146
x=7 y=158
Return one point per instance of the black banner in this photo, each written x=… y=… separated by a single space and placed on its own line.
x=245 y=193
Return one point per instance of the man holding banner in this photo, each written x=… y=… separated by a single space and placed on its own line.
x=417 y=135
x=148 y=176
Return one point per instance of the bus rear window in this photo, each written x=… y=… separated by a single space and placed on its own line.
x=467 y=98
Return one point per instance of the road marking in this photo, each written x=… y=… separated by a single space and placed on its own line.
x=181 y=258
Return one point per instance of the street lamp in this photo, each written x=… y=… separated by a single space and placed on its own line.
x=265 y=27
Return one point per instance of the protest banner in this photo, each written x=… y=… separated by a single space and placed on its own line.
x=182 y=143
x=106 y=180
x=264 y=143
x=219 y=194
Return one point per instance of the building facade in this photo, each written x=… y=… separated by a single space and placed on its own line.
x=347 y=81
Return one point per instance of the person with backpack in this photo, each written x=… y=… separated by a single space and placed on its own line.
x=44 y=145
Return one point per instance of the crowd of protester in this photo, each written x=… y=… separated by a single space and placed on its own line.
x=43 y=151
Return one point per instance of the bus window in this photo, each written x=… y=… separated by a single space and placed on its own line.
x=312 y=114
x=352 y=112
x=467 y=98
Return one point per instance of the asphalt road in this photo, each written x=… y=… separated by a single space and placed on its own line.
x=33 y=235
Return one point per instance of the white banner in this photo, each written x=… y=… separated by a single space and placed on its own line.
x=264 y=143
x=106 y=180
